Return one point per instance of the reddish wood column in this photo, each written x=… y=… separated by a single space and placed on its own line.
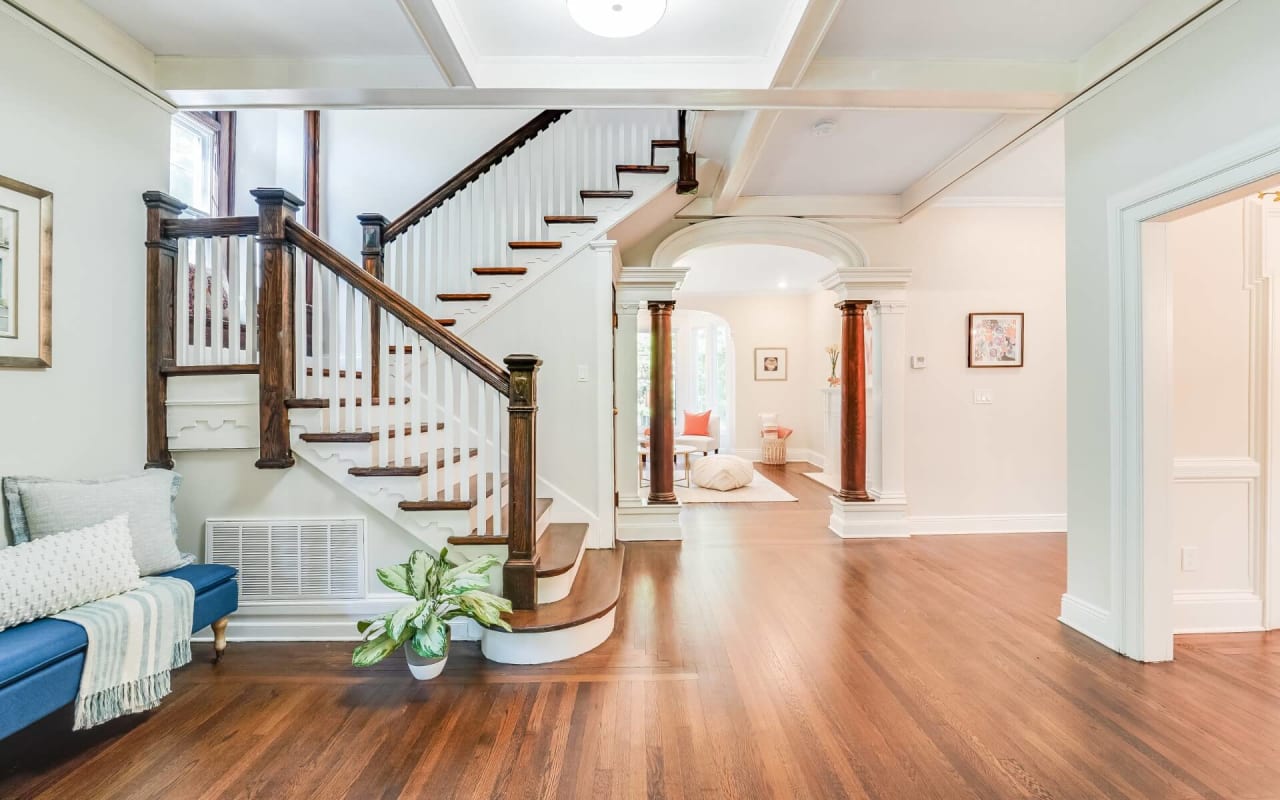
x=520 y=572
x=853 y=401
x=661 y=424
x=162 y=257
x=275 y=326
x=372 y=226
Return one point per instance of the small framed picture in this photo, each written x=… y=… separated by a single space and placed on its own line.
x=996 y=339
x=771 y=363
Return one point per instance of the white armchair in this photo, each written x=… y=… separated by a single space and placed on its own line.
x=703 y=444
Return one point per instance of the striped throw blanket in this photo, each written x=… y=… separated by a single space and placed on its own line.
x=135 y=639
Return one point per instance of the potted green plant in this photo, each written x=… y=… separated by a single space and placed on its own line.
x=440 y=592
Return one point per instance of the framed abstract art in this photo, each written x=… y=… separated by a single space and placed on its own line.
x=771 y=363
x=26 y=299
x=996 y=339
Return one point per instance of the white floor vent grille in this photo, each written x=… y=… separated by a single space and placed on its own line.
x=291 y=559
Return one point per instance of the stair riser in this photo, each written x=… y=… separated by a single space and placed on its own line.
x=543 y=648
x=643 y=184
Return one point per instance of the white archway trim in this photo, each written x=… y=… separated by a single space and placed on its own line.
x=805 y=234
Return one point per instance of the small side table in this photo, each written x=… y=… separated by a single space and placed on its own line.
x=680 y=451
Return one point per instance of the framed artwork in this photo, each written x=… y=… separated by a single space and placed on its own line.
x=771 y=363
x=996 y=339
x=26 y=260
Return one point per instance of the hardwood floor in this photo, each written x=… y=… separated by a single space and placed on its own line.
x=762 y=658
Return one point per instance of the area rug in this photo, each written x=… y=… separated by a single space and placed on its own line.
x=829 y=481
x=760 y=490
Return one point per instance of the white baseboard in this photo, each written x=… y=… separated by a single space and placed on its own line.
x=1216 y=612
x=319 y=621
x=998 y=523
x=1091 y=620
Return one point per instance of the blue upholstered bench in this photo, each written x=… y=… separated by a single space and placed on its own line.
x=40 y=662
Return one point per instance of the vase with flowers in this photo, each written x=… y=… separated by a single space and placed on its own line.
x=833 y=352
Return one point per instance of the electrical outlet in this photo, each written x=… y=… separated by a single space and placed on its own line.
x=584 y=373
x=1190 y=559
x=982 y=397
x=918 y=362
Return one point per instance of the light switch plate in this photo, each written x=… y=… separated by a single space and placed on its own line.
x=982 y=397
x=584 y=373
x=918 y=362
x=1190 y=559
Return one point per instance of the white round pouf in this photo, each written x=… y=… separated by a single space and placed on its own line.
x=722 y=473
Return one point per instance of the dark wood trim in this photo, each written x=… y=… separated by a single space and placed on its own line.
x=606 y=194
x=276 y=209
x=573 y=219
x=642 y=169
x=687 y=161
x=499 y=270
x=520 y=572
x=172 y=370
x=311 y=168
x=463 y=297
x=535 y=245
x=209 y=226
x=226 y=167
x=397 y=306
x=471 y=172
x=853 y=402
x=162 y=255
x=661 y=422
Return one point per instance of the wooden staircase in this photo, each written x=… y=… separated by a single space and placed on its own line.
x=360 y=375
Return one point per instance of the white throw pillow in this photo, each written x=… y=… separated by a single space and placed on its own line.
x=722 y=472
x=51 y=506
x=66 y=570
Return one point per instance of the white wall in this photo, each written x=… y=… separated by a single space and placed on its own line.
x=79 y=132
x=1204 y=93
x=982 y=461
x=778 y=320
x=269 y=153
x=565 y=318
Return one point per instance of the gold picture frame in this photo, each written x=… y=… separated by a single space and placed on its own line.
x=27 y=254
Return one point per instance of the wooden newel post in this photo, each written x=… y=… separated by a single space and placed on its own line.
x=520 y=573
x=661 y=424
x=372 y=227
x=853 y=402
x=162 y=266
x=687 y=166
x=275 y=326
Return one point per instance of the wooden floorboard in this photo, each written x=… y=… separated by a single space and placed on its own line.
x=761 y=658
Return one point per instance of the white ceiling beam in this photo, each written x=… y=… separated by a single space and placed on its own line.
x=805 y=40
x=92 y=34
x=745 y=152
x=430 y=30
x=1150 y=25
x=984 y=146
x=863 y=208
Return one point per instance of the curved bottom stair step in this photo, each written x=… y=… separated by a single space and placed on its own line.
x=566 y=628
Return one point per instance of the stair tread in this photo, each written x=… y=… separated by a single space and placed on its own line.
x=559 y=546
x=366 y=436
x=665 y=143
x=595 y=592
x=606 y=194
x=410 y=470
x=499 y=270
x=535 y=245
x=463 y=297
x=542 y=505
x=659 y=168
x=570 y=219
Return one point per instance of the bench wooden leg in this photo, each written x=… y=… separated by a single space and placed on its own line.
x=219 y=638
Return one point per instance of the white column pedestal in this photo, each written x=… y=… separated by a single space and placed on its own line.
x=882 y=519
x=646 y=523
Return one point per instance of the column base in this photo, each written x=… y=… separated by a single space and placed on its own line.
x=876 y=520
x=649 y=523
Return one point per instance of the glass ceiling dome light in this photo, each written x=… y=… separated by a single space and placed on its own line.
x=617 y=19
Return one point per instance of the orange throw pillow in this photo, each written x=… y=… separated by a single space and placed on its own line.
x=697 y=424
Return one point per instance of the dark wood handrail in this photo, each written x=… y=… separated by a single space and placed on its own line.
x=208 y=226
x=389 y=300
x=469 y=174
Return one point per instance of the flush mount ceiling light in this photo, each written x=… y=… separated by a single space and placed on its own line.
x=617 y=19
x=824 y=127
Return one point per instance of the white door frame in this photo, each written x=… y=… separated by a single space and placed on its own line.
x=1140 y=389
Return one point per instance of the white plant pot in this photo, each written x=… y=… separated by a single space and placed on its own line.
x=424 y=669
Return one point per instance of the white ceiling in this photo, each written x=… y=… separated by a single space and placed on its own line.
x=691 y=29
x=868 y=152
x=264 y=28
x=1035 y=169
x=1031 y=30
x=752 y=269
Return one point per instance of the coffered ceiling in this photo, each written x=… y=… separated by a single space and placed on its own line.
x=919 y=99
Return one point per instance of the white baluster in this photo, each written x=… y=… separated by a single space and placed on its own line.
x=464 y=426
x=252 y=282
x=451 y=429
x=333 y=301
x=432 y=437
x=200 y=284
x=182 y=304
x=496 y=479
x=235 y=297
